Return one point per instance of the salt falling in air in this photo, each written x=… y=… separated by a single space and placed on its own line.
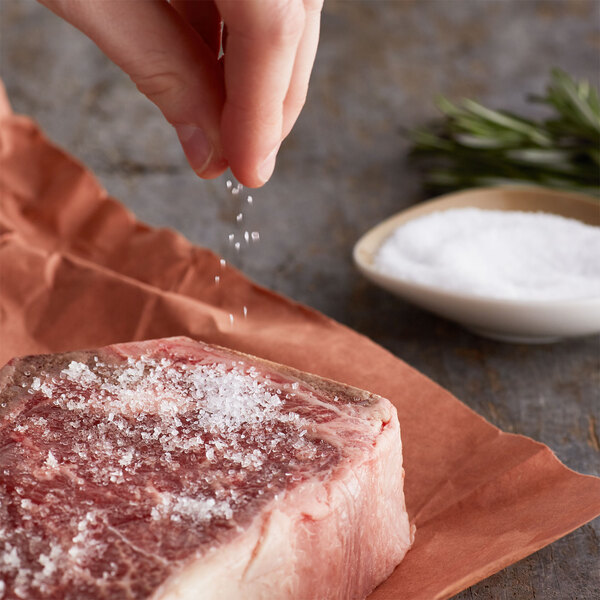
x=248 y=236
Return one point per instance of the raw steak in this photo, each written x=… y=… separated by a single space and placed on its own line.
x=174 y=469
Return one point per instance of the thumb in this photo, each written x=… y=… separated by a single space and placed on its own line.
x=169 y=63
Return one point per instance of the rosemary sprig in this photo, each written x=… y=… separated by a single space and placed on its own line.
x=476 y=146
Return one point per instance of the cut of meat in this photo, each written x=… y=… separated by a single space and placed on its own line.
x=172 y=469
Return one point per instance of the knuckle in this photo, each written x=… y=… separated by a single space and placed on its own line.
x=287 y=21
x=158 y=84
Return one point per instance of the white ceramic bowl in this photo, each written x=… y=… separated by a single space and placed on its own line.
x=529 y=321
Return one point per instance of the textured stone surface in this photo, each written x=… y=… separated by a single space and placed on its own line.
x=342 y=170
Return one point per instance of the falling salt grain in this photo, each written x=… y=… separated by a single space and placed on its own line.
x=509 y=255
x=249 y=199
x=245 y=311
x=231 y=318
x=246 y=236
x=228 y=184
x=217 y=279
x=223 y=262
x=239 y=217
x=237 y=246
x=231 y=237
x=255 y=236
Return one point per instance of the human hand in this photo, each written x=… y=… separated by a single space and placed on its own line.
x=234 y=111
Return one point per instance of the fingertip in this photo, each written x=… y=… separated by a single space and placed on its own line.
x=214 y=169
x=255 y=175
x=202 y=154
x=267 y=166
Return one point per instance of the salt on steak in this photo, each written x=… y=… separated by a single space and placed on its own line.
x=172 y=469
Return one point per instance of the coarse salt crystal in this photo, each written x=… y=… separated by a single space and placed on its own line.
x=51 y=461
x=11 y=557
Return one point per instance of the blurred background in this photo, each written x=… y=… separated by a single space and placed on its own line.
x=342 y=170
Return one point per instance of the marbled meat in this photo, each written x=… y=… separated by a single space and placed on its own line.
x=174 y=469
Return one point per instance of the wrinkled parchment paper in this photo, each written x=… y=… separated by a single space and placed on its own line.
x=78 y=271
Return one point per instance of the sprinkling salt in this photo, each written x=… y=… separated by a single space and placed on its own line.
x=499 y=254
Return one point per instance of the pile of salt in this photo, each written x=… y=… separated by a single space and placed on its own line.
x=498 y=254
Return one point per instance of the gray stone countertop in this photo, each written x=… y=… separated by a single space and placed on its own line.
x=342 y=170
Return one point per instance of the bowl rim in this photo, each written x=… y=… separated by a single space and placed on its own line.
x=381 y=231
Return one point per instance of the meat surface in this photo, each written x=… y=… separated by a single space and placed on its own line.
x=172 y=469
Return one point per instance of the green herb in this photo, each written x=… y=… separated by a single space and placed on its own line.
x=477 y=146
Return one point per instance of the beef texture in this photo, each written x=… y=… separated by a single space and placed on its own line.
x=173 y=469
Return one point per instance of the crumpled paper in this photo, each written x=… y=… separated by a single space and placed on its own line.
x=77 y=270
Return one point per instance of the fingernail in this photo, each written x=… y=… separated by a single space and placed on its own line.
x=196 y=146
x=265 y=170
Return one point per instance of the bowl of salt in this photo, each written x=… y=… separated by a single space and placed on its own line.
x=516 y=264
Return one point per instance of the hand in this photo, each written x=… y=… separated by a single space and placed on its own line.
x=231 y=111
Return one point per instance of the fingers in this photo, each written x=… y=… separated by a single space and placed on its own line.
x=168 y=61
x=259 y=63
x=303 y=64
x=171 y=50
